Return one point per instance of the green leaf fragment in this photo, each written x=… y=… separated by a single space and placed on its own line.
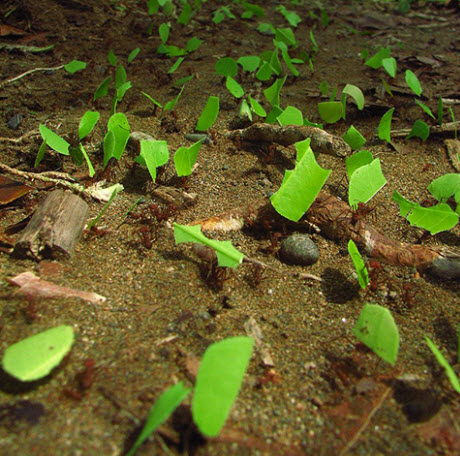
x=356 y=94
x=87 y=123
x=425 y=108
x=74 y=66
x=193 y=44
x=117 y=136
x=377 y=329
x=227 y=66
x=153 y=154
x=354 y=138
x=390 y=66
x=357 y=160
x=54 y=141
x=227 y=255
x=443 y=363
x=257 y=107
x=112 y=58
x=358 y=263
x=218 y=382
x=420 y=130
x=330 y=111
x=376 y=61
x=176 y=65
x=300 y=187
x=185 y=14
x=103 y=88
x=234 y=88
x=272 y=93
x=163 y=31
x=133 y=54
x=34 y=358
x=185 y=158
x=413 y=82
x=40 y=154
x=445 y=187
x=209 y=114
x=405 y=206
x=385 y=126
x=249 y=63
x=434 y=219
x=365 y=182
x=160 y=412
x=290 y=116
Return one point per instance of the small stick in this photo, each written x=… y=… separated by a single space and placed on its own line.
x=34 y=70
x=436 y=129
x=21 y=138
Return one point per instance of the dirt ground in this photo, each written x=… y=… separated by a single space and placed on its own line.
x=326 y=394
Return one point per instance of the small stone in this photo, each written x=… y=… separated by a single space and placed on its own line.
x=225 y=167
x=299 y=249
x=14 y=122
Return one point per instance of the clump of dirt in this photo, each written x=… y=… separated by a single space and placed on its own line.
x=326 y=393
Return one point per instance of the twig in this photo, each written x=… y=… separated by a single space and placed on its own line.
x=21 y=138
x=363 y=427
x=436 y=129
x=34 y=70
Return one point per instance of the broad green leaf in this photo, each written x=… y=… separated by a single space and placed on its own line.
x=176 y=65
x=356 y=94
x=153 y=154
x=302 y=147
x=265 y=72
x=365 y=182
x=193 y=44
x=420 y=130
x=74 y=66
x=390 y=66
x=133 y=54
x=54 y=141
x=385 y=126
x=445 y=187
x=218 y=382
x=185 y=158
x=273 y=115
x=257 y=107
x=290 y=116
x=160 y=412
x=163 y=31
x=358 y=263
x=376 y=60
x=250 y=62
x=272 y=93
x=209 y=114
x=355 y=161
x=413 y=82
x=33 y=358
x=405 y=206
x=234 y=88
x=354 y=138
x=285 y=35
x=377 y=329
x=103 y=89
x=434 y=219
x=227 y=67
x=300 y=187
x=87 y=123
x=443 y=363
x=425 y=108
x=330 y=111
x=227 y=255
x=118 y=124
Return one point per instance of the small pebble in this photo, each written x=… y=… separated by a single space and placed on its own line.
x=15 y=121
x=299 y=249
x=225 y=167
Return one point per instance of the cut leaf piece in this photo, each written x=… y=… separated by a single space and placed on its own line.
x=413 y=82
x=376 y=60
x=153 y=154
x=257 y=107
x=377 y=329
x=425 y=108
x=185 y=158
x=365 y=182
x=103 y=89
x=234 y=88
x=354 y=138
x=405 y=206
x=445 y=187
x=34 y=358
x=249 y=63
x=300 y=187
x=118 y=125
x=420 y=129
x=209 y=114
x=358 y=263
x=443 y=363
x=355 y=161
x=434 y=219
x=272 y=94
x=330 y=111
x=227 y=255
x=219 y=381
x=290 y=116
x=390 y=66
x=385 y=126
x=160 y=412
x=87 y=123
x=74 y=66
x=54 y=141
x=356 y=94
x=227 y=67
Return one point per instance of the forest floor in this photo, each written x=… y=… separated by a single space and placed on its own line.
x=325 y=394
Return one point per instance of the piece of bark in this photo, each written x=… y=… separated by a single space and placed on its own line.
x=453 y=152
x=321 y=141
x=55 y=228
x=334 y=218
